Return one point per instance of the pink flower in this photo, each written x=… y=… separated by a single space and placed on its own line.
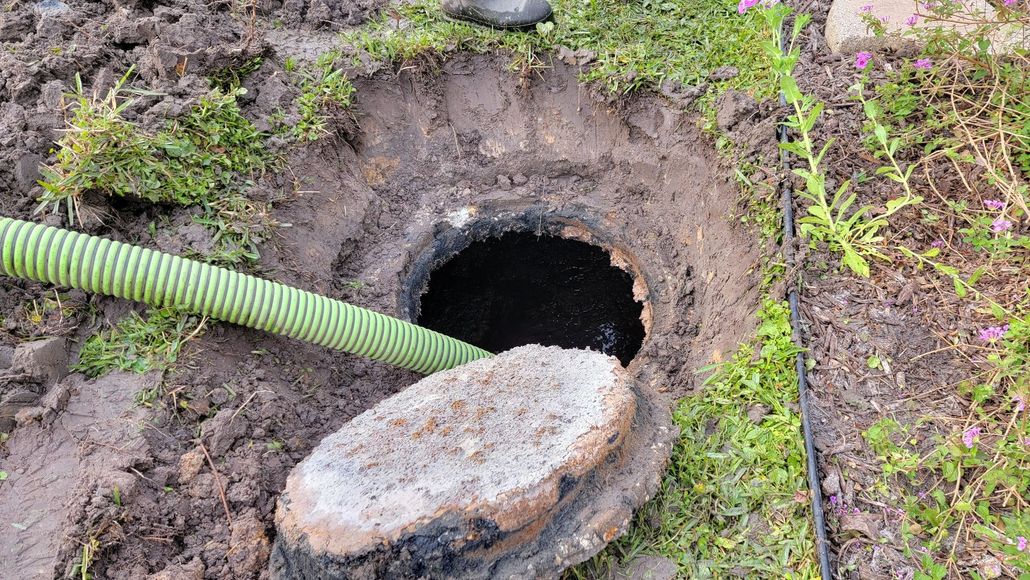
x=745 y=5
x=885 y=19
x=993 y=333
x=923 y=63
x=928 y=6
x=1020 y=403
x=912 y=20
x=1000 y=225
x=862 y=60
x=994 y=204
x=969 y=436
x=1026 y=441
x=1010 y=2
x=867 y=8
x=1021 y=543
x=937 y=244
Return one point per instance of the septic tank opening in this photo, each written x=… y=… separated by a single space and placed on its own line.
x=523 y=288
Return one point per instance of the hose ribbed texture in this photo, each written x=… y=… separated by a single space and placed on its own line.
x=48 y=254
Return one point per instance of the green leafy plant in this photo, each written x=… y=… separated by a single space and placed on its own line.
x=139 y=344
x=325 y=93
x=195 y=158
x=203 y=158
x=894 y=456
x=231 y=78
x=833 y=219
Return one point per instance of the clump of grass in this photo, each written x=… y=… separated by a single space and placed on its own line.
x=735 y=500
x=325 y=94
x=203 y=158
x=634 y=45
x=238 y=224
x=139 y=344
x=193 y=159
x=231 y=78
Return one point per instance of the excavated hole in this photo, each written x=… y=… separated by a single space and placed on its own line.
x=523 y=288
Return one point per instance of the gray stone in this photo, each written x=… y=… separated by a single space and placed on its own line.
x=6 y=356
x=26 y=170
x=53 y=94
x=757 y=412
x=221 y=431
x=733 y=108
x=50 y=7
x=863 y=523
x=12 y=116
x=649 y=568
x=724 y=73
x=44 y=360
x=516 y=466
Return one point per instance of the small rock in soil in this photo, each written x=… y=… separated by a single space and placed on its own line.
x=193 y=570
x=865 y=524
x=42 y=360
x=190 y=465
x=6 y=356
x=52 y=7
x=724 y=73
x=221 y=431
x=248 y=545
x=757 y=412
x=732 y=108
x=26 y=171
x=649 y=568
x=831 y=483
x=11 y=404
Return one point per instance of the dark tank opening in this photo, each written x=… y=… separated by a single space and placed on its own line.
x=522 y=288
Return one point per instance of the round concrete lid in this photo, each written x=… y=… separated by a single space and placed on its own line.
x=494 y=440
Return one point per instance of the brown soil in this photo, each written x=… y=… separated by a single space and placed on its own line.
x=638 y=179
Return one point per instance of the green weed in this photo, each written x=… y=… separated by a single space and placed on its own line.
x=974 y=483
x=831 y=219
x=139 y=344
x=759 y=202
x=194 y=159
x=239 y=224
x=229 y=79
x=90 y=547
x=632 y=45
x=203 y=158
x=735 y=500
x=325 y=93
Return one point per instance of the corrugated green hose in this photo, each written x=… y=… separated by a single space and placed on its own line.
x=48 y=254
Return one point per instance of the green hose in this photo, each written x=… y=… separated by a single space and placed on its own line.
x=48 y=254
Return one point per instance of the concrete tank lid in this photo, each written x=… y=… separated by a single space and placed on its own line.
x=491 y=439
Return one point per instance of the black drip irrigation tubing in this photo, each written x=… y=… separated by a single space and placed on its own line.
x=822 y=546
